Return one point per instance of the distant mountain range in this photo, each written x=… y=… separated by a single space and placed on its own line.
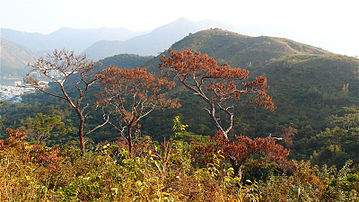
x=151 y=43
x=72 y=39
x=104 y=42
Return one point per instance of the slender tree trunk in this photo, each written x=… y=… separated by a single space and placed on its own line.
x=129 y=140
x=81 y=134
x=236 y=165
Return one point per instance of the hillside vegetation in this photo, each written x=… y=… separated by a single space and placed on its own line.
x=241 y=50
x=308 y=84
x=305 y=150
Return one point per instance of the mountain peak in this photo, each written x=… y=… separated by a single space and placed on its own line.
x=182 y=19
x=243 y=50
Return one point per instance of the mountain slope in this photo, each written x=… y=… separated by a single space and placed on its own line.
x=103 y=49
x=312 y=86
x=239 y=50
x=14 y=58
x=307 y=83
x=151 y=43
x=164 y=36
x=125 y=60
x=243 y=50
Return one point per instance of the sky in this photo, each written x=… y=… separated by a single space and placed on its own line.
x=329 y=24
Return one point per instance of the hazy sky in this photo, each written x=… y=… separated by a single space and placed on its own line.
x=333 y=25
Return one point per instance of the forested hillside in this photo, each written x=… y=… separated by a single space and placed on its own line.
x=308 y=84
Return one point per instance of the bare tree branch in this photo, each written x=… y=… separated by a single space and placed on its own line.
x=59 y=67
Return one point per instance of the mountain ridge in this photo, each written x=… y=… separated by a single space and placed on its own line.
x=14 y=58
x=155 y=41
x=69 y=38
x=238 y=49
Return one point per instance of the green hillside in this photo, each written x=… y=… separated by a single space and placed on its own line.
x=307 y=88
x=242 y=50
x=307 y=83
x=125 y=60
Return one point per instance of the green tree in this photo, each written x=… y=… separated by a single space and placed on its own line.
x=42 y=126
x=348 y=117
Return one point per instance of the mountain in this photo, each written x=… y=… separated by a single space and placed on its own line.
x=240 y=50
x=103 y=49
x=14 y=58
x=164 y=36
x=307 y=83
x=125 y=60
x=243 y=50
x=151 y=43
x=72 y=39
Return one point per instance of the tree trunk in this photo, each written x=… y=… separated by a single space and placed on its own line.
x=236 y=165
x=237 y=168
x=81 y=134
x=212 y=114
x=129 y=140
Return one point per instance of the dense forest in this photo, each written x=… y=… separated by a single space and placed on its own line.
x=217 y=117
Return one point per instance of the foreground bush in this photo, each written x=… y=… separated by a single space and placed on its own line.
x=158 y=172
x=309 y=183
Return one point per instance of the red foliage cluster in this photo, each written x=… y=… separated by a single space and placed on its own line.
x=288 y=134
x=138 y=78
x=187 y=62
x=14 y=140
x=38 y=154
x=145 y=90
x=239 y=150
x=191 y=65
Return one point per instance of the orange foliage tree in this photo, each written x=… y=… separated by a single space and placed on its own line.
x=131 y=94
x=38 y=154
x=217 y=85
x=59 y=67
x=239 y=150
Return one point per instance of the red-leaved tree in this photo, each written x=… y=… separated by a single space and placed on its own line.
x=37 y=154
x=239 y=150
x=131 y=94
x=218 y=85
